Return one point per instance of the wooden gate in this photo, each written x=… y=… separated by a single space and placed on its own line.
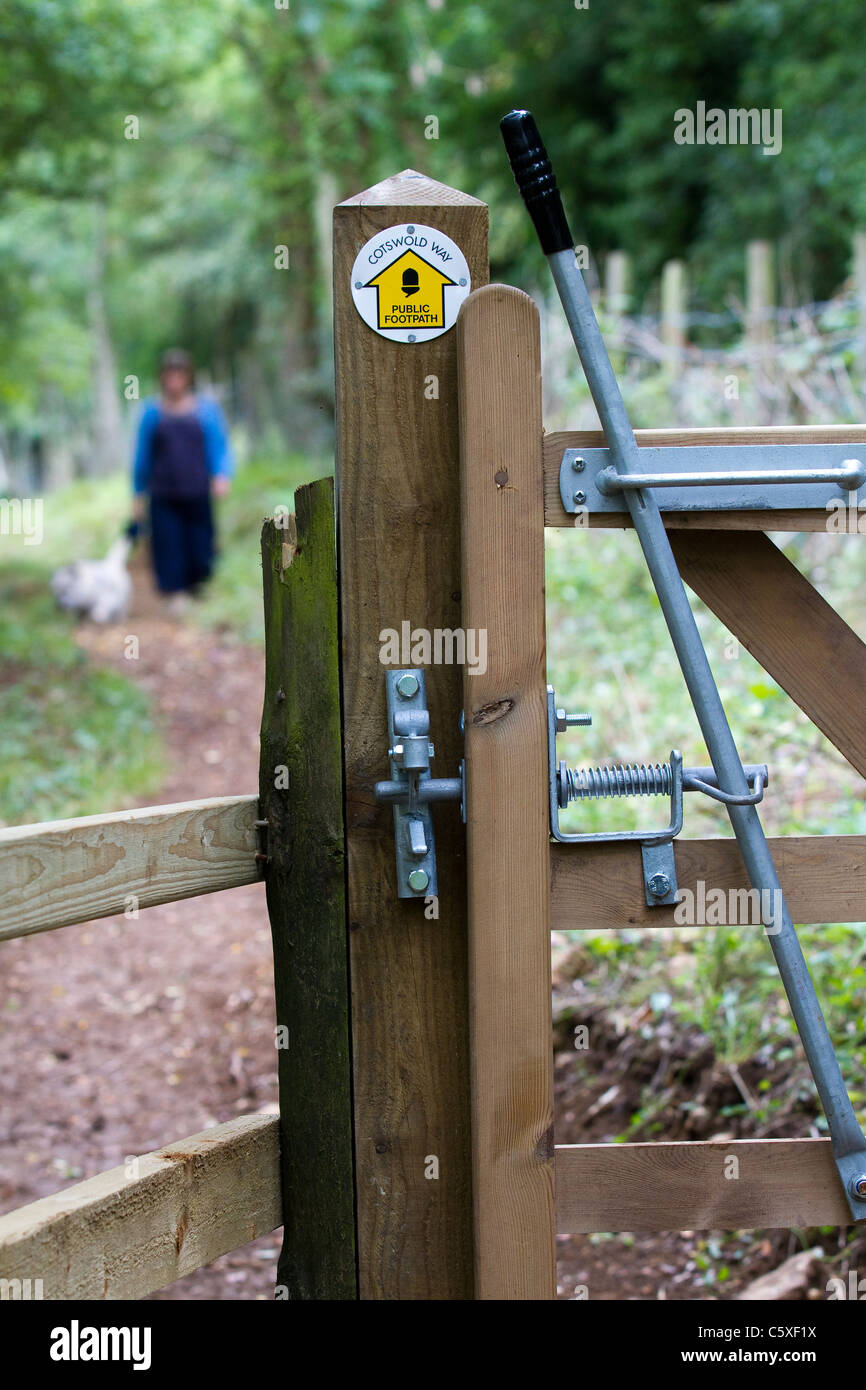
x=520 y=884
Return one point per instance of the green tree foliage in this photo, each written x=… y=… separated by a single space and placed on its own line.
x=254 y=119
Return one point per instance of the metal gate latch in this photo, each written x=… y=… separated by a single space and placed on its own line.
x=411 y=789
x=637 y=779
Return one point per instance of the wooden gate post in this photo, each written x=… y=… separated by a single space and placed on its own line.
x=399 y=561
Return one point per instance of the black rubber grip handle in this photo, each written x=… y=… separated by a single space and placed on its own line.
x=533 y=174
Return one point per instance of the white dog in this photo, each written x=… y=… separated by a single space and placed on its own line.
x=96 y=589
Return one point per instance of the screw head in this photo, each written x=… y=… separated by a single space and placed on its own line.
x=410 y=230
x=659 y=885
x=418 y=880
x=858 y=1186
x=578 y=465
x=407 y=686
x=580 y=498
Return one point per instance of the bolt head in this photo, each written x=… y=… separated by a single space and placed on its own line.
x=858 y=1186
x=418 y=880
x=407 y=686
x=580 y=498
x=659 y=885
x=578 y=465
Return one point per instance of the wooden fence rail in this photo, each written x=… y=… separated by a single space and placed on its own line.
x=712 y=1185
x=155 y=1218
x=823 y=878
x=57 y=873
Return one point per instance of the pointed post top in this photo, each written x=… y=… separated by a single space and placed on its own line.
x=410 y=189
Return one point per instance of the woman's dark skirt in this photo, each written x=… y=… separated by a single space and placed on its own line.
x=181 y=542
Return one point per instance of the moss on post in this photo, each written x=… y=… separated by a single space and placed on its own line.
x=301 y=793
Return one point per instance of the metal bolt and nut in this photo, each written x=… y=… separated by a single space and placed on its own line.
x=566 y=721
x=407 y=686
x=659 y=885
x=418 y=880
x=858 y=1186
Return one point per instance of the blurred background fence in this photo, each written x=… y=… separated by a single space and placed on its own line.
x=754 y=361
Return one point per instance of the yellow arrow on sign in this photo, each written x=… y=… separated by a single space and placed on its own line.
x=410 y=293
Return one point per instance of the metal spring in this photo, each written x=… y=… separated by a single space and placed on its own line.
x=628 y=779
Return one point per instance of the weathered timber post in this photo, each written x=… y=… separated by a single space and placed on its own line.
x=617 y=283
x=760 y=327
x=301 y=800
x=674 y=293
x=399 y=562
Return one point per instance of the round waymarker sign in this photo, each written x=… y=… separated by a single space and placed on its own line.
x=408 y=283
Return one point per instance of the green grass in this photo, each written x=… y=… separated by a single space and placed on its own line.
x=74 y=739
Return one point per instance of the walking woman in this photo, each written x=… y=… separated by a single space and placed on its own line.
x=182 y=460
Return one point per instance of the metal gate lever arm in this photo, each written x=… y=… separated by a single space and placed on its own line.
x=534 y=176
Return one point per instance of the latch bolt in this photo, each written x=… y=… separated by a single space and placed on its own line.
x=411 y=789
